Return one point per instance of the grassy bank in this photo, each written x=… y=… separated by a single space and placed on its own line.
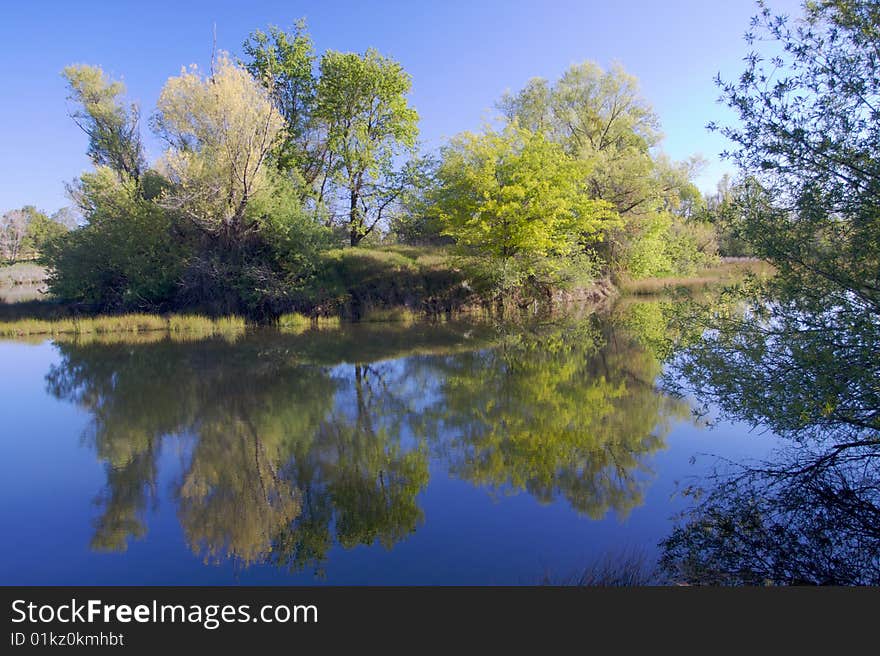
x=355 y=283
x=176 y=325
x=400 y=284
x=404 y=283
x=729 y=270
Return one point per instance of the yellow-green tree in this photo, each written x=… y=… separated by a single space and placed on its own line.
x=221 y=130
x=112 y=125
x=516 y=194
x=600 y=116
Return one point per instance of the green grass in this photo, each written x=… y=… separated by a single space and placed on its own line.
x=294 y=320
x=396 y=314
x=352 y=282
x=328 y=322
x=297 y=323
x=126 y=324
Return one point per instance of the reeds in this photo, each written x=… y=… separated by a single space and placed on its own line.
x=183 y=325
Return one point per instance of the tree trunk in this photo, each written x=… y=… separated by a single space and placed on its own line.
x=355 y=221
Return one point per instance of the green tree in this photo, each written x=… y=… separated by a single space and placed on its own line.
x=362 y=106
x=112 y=126
x=125 y=257
x=798 y=356
x=25 y=232
x=599 y=116
x=722 y=209
x=284 y=63
x=40 y=230
x=809 y=143
x=514 y=194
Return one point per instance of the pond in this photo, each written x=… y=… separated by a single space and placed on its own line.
x=447 y=453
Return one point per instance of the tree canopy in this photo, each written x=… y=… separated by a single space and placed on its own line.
x=515 y=193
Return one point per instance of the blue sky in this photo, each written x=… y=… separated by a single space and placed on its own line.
x=462 y=55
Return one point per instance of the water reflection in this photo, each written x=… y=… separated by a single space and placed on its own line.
x=806 y=368
x=297 y=443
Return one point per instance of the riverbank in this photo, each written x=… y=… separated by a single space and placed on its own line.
x=392 y=284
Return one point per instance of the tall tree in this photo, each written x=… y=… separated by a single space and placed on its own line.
x=112 y=126
x=369 y=124
x=221 y=130
x=600 y=116
x=284 y=63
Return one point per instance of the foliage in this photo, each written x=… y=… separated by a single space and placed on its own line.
x=25 y=232
x=723 y=210
x=514 y=194
x=809 y=142
x=112 y=127
x=272 y=161
x=600 y=117
x=284 y=64
x=363 y=107
x=797 y=354
x=40 y=231
x=221 y=130
x=125 y=257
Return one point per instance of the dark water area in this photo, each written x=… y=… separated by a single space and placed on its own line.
x=448 y=453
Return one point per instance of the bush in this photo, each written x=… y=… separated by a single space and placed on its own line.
x=125 y=258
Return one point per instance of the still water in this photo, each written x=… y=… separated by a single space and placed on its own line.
x=448 y=453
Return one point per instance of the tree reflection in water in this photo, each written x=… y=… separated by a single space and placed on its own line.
x=812 y=514
x=293 y=450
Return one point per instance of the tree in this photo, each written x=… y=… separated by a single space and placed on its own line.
x=809 y=143
x=369 y=123
x=41 y=230
x=112 y=127
x=13 y=230
x=284 y=64
x=67 y=217
x=600 y=116
x=722 y=209
x=516 y=194
x=802 y=360
x=220 y=130
x=25 y=232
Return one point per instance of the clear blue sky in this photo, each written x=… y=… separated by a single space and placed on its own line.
x=462 y=54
